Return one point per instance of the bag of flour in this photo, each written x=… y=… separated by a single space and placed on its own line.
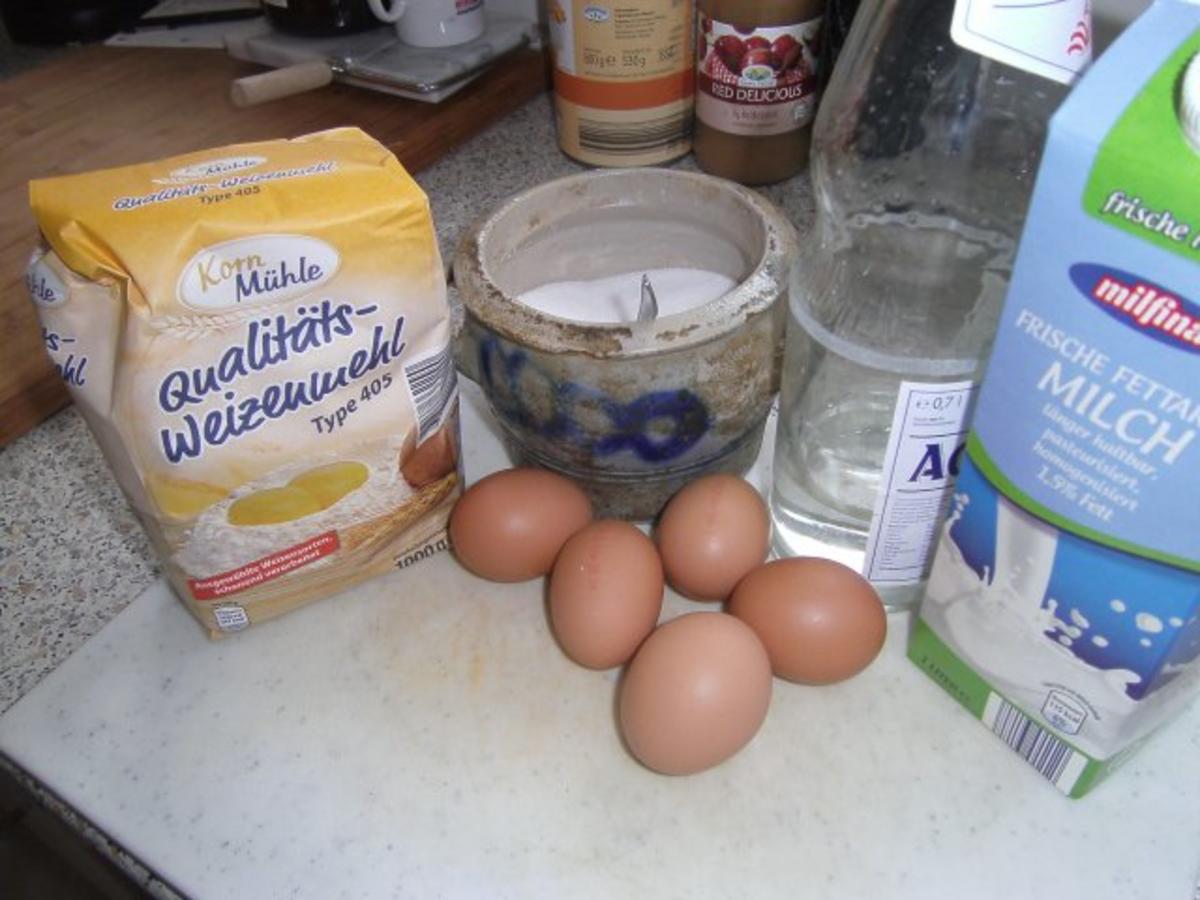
x=258 y=337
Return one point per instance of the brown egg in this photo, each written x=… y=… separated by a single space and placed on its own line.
x=510 y=525
x=605 y=593
x=696 y=692
x=711 y=533
x=820 y=621
x=429 y=461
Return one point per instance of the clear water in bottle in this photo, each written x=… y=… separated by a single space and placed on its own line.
x=842 y=376
x=923 y=160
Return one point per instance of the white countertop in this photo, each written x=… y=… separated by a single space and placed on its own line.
x=422 y=736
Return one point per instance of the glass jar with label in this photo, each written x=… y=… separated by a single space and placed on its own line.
x=756 y=87
x=623 y=80
x=923 y=160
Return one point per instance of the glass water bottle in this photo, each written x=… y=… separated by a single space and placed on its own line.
x=923 y=159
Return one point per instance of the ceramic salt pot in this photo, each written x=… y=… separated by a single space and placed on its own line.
x=633 y=395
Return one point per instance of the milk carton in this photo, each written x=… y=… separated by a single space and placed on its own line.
x=1062 y=608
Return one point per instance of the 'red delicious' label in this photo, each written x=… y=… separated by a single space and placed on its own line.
x=757 y=81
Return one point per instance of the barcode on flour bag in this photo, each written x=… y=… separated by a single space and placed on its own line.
x=434 y=384
x=633 y=137
x=1051 y=756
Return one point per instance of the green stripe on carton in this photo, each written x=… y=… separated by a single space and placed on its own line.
x=988 y=468
x=1144 y=157
x=937 y=660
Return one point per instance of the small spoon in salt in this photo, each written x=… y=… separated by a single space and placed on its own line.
x=648 y=307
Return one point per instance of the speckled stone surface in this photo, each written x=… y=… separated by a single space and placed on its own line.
x=511 y=780
x=839 y=796
x=421 y=736
x=72 y=553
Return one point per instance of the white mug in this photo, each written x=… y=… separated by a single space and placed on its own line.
x=432 y=23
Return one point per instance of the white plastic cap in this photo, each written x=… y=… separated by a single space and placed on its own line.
x=1189 y=103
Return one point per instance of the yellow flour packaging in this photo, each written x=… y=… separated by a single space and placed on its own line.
x=258 y=337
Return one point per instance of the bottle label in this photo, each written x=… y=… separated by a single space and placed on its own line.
x=756 y=81
x=1053 y=40
x=629 y=42
x=929 y=432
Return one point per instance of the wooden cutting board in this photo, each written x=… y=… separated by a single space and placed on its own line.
x=98 y=107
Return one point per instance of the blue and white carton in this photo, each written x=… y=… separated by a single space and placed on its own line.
x=1063 y=608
